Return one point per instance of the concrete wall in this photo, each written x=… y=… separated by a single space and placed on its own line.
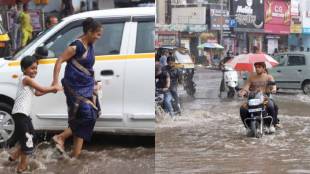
x=106 y=4
x=160 y=11
x=54 y=5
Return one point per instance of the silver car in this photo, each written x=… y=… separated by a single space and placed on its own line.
x=293 y=71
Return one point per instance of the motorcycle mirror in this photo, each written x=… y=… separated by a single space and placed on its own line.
x=271 y=83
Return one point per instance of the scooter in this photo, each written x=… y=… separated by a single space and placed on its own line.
x=229 y=81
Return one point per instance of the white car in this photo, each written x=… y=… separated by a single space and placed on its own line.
x=125 y=64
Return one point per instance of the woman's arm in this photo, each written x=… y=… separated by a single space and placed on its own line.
x=65 y=56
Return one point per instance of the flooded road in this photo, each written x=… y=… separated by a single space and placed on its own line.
x=106 y=154
x=209 y=137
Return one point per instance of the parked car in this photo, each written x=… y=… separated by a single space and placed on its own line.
x=124 y=64
x=293 y=71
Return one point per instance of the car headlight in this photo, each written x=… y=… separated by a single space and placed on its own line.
x=255 y=102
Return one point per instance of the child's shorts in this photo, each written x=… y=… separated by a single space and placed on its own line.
x=24 y=132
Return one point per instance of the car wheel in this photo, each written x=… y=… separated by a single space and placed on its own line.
x=306 y=88
x=7 y=125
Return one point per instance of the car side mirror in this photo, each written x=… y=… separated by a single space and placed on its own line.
x=41 y=52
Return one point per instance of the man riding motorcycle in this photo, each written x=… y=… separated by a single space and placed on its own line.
x=162 y=79
x=174 y=79
x=260 y=82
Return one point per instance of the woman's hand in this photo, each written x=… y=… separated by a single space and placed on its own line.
x=57 y=87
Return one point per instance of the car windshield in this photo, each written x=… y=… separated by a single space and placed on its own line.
x=21 y=51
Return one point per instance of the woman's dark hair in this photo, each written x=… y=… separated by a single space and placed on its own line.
x=27 y=62
x=91 y=25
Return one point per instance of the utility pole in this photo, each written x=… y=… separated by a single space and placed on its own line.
x=221 y=40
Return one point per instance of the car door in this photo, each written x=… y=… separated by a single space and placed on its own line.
x=139 y=89
x=279 y=72
x=296 y=68
x=111 y=51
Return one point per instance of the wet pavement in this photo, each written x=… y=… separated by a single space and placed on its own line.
x=105 y=154
x=209 y=137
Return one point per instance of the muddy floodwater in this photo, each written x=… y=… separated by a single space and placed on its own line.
x=209 y=137
x=106 y=154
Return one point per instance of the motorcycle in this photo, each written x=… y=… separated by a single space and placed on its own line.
x=229 y=81
x=188 y=83
x=259 y=120
x=159 y=103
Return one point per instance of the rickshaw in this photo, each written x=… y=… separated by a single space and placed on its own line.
x=5 y=43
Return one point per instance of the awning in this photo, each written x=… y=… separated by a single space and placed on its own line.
x=210 y=45
x=11 y=2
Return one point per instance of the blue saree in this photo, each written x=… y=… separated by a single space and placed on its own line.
x=77 y=84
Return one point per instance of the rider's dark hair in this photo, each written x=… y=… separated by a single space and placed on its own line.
x=170 y=59
x=263 y=64
x=27 y=62
x=91 y=25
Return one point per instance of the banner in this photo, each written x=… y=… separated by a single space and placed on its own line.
x=35 y=19
x=249 y=15
x=305 y=9
x=277 y=17
x=296 y=26
x=216 y=19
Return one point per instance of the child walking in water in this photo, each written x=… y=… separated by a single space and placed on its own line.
x=26 y=90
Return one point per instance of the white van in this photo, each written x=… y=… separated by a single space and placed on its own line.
x=125 y=63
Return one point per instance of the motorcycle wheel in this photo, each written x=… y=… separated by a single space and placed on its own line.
x=253 y=129
x=231 y=93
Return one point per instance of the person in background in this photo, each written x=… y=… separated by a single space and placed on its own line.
x=15 y=31
x=26 y=25
x=163 y=58
x=66 y=8
x=51 y=21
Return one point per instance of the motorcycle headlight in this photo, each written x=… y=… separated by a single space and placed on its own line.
x=255 y=102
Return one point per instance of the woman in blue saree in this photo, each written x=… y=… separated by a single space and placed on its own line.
x=79 y=87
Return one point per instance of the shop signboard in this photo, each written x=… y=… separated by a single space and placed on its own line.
x=305 y=9
x=296 y=25
x=249 y=15
x=218 y=18
x=277 y=17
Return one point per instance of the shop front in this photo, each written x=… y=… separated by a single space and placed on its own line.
x=249 y=16
x=305 y=24
x=277 y=25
